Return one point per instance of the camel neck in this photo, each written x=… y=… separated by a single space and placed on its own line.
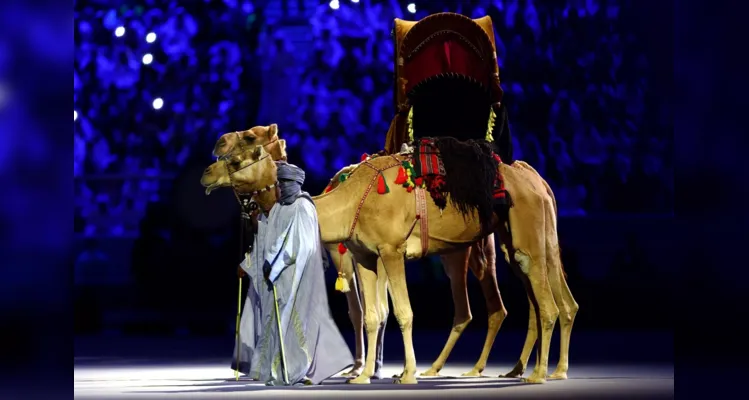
x=266 y=200
x=335 y=214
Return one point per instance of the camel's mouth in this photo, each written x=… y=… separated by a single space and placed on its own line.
x=211 y=187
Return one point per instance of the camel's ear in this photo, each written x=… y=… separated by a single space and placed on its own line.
x=282 y=145
x=272 y=131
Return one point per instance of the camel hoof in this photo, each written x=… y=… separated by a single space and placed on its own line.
x=397 y=376
x=533 y=379
x=557 y=375
x=359 y=380
x=377 y=375
x=431 y=372
x=405 y=381
x=515 y=373
x=473 y=373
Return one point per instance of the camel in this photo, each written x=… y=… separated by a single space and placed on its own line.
x=387 y=243
x=456 y=267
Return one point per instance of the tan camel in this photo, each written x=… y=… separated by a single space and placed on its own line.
x=267 y=137
x=456 y=266
x=387 y=242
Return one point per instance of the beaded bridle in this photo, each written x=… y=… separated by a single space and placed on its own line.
x=396 y=162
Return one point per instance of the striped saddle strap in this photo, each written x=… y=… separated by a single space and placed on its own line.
x=421 y=215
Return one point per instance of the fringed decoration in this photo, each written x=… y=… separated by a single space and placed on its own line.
x=382 y=186
x=492 y=117
x=364 y=157
x=419 y=182
x=408 y=172
x=342 y=177
x=409 y=123
x=342 y=249
x=402 y=177
x=328 y=188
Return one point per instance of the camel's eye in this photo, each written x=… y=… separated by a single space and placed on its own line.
x=249 y=139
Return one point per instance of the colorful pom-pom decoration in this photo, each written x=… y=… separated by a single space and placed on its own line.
x=402 y=177
x=382 y=186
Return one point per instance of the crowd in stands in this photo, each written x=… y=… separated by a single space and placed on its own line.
x=156 y=83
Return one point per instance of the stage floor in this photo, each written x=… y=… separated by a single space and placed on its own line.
x=116 y=378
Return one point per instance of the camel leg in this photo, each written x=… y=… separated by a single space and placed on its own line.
x=530 y=341
x=567 y=312
x=394 y=264
x=547 y=312
x=456 y=267
x=384 y=309
x=487 y=275
x=357 y=320
x=368 y=284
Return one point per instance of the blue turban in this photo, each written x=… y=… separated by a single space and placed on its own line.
x=290 y=180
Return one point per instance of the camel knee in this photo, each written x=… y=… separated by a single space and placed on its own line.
x=372 y=324
x=548 y=317
x=460 y=325
x=498 y=316
x=568 y=315
x=405 y=318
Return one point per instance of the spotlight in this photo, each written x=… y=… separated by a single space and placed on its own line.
x=158 y=103
x=120 y=31
x=147 y=58
x=354 y=1
x=334 y=4
x=151 y=37
x=75 y=115
x=411 y=8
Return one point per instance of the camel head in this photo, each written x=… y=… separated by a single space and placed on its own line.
x=266 y=136
x=246 y=170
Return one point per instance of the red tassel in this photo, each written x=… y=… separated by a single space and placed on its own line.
x=418 y=181
x=382 y=186
x=409 y=189
x=328 y=188
x=402 y=178
x=341 y=248
x=364 y=157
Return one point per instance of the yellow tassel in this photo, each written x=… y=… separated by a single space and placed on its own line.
x=409 y=122
x=341 y=284
x=492 y=117
x=409 y=180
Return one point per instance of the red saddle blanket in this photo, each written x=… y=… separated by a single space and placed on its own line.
x=428 y=171
x=428 y=166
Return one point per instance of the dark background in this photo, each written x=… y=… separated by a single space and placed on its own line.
x=155 y=260
x=706 y=88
